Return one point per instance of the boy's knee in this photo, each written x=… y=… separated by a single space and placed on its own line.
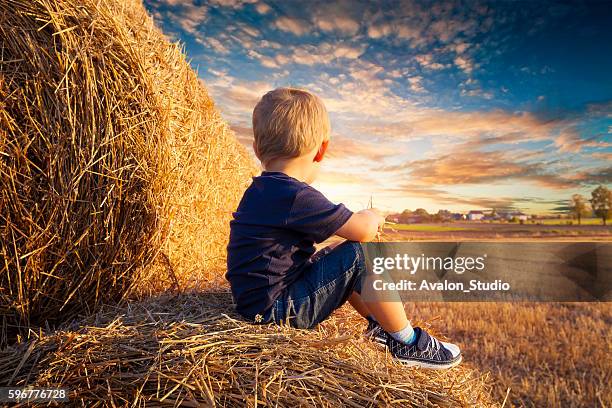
x=355 y=246
x=354 y=260
x=357 y=253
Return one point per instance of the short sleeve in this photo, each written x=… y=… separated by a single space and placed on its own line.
x=315 y=216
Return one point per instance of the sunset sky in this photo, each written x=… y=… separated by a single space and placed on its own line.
x=440 y=105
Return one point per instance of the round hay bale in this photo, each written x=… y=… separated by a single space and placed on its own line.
x=190 y=351
x=113 y=159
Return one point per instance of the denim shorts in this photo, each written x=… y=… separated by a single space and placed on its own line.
x=324 y=286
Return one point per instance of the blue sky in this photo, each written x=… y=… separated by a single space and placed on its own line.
x=447 y=104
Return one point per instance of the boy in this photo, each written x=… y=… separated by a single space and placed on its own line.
x=271 y=269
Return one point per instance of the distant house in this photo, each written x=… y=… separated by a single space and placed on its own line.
x=443 y=215
x=475 y=215
x=412 y=219
x=520 y=216
x=393 y=218
x=505 y=216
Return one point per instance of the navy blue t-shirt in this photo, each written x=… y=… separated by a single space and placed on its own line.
x=272 y=238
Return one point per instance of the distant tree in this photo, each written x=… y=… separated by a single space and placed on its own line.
x=404 y=217
x=601 y=202
x=442 y=215
x=421 y=212
x=578 y=207
x=493 y=213
x=421 y=215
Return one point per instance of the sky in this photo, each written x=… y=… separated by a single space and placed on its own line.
x=457 y=105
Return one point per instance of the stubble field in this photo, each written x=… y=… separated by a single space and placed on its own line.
x=537 y=354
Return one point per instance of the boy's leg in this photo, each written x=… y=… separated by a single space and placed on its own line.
x=412 y=346
x=334 y=278
x=358 y=304
x=387 y=309
x=337 y=276
x=323 y=287
x=390 y=315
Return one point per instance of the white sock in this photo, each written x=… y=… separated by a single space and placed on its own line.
x=406 y=335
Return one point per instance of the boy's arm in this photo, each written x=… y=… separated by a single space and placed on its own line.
x=362 y=226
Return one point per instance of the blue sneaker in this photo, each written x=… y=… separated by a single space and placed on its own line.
x=375 y=333
x=426 y=352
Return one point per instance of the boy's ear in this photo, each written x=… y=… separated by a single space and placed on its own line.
x=321 y=153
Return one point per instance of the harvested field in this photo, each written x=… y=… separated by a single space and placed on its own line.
x=545 y=354
x=495 y=231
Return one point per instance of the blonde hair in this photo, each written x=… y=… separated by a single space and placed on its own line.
x=287 y=123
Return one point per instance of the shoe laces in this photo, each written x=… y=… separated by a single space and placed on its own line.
x=433 y=345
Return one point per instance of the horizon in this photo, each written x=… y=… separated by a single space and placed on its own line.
x=448 y=105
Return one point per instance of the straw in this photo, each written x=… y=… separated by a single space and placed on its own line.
x=192 y=349
x=117 y=174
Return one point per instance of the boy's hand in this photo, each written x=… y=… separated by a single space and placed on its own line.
x=381 y=218
x=381 y=221
x=363 y=226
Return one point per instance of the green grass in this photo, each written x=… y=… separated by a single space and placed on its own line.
x=585 y=221
x=426 y=228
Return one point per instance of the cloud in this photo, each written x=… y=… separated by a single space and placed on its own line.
x=416 y=83
x=442 y=197
x=489 y=127
x=344 y=178
x=380 y=30
x=236 y=97
x=292 y=25
x=477 y=92
x=262 y=8
x=185 y=15
x=249 y=30
x=235 y=4
x=600 y=109
x=446 y=29
x=427 y=61
x=601 y=175
x=465 y=167
x=465 y=64
x=336 y=23
x=605 y=156
x=406 y=89
x=490 y=167
x=264 y=60
x=341 y=148
x=411 y=33
x=245 y=96
x=569 y=140
x=362 y=92
x=309 y=55
x=345 y=147
x=244 y=134
x=215 y=44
